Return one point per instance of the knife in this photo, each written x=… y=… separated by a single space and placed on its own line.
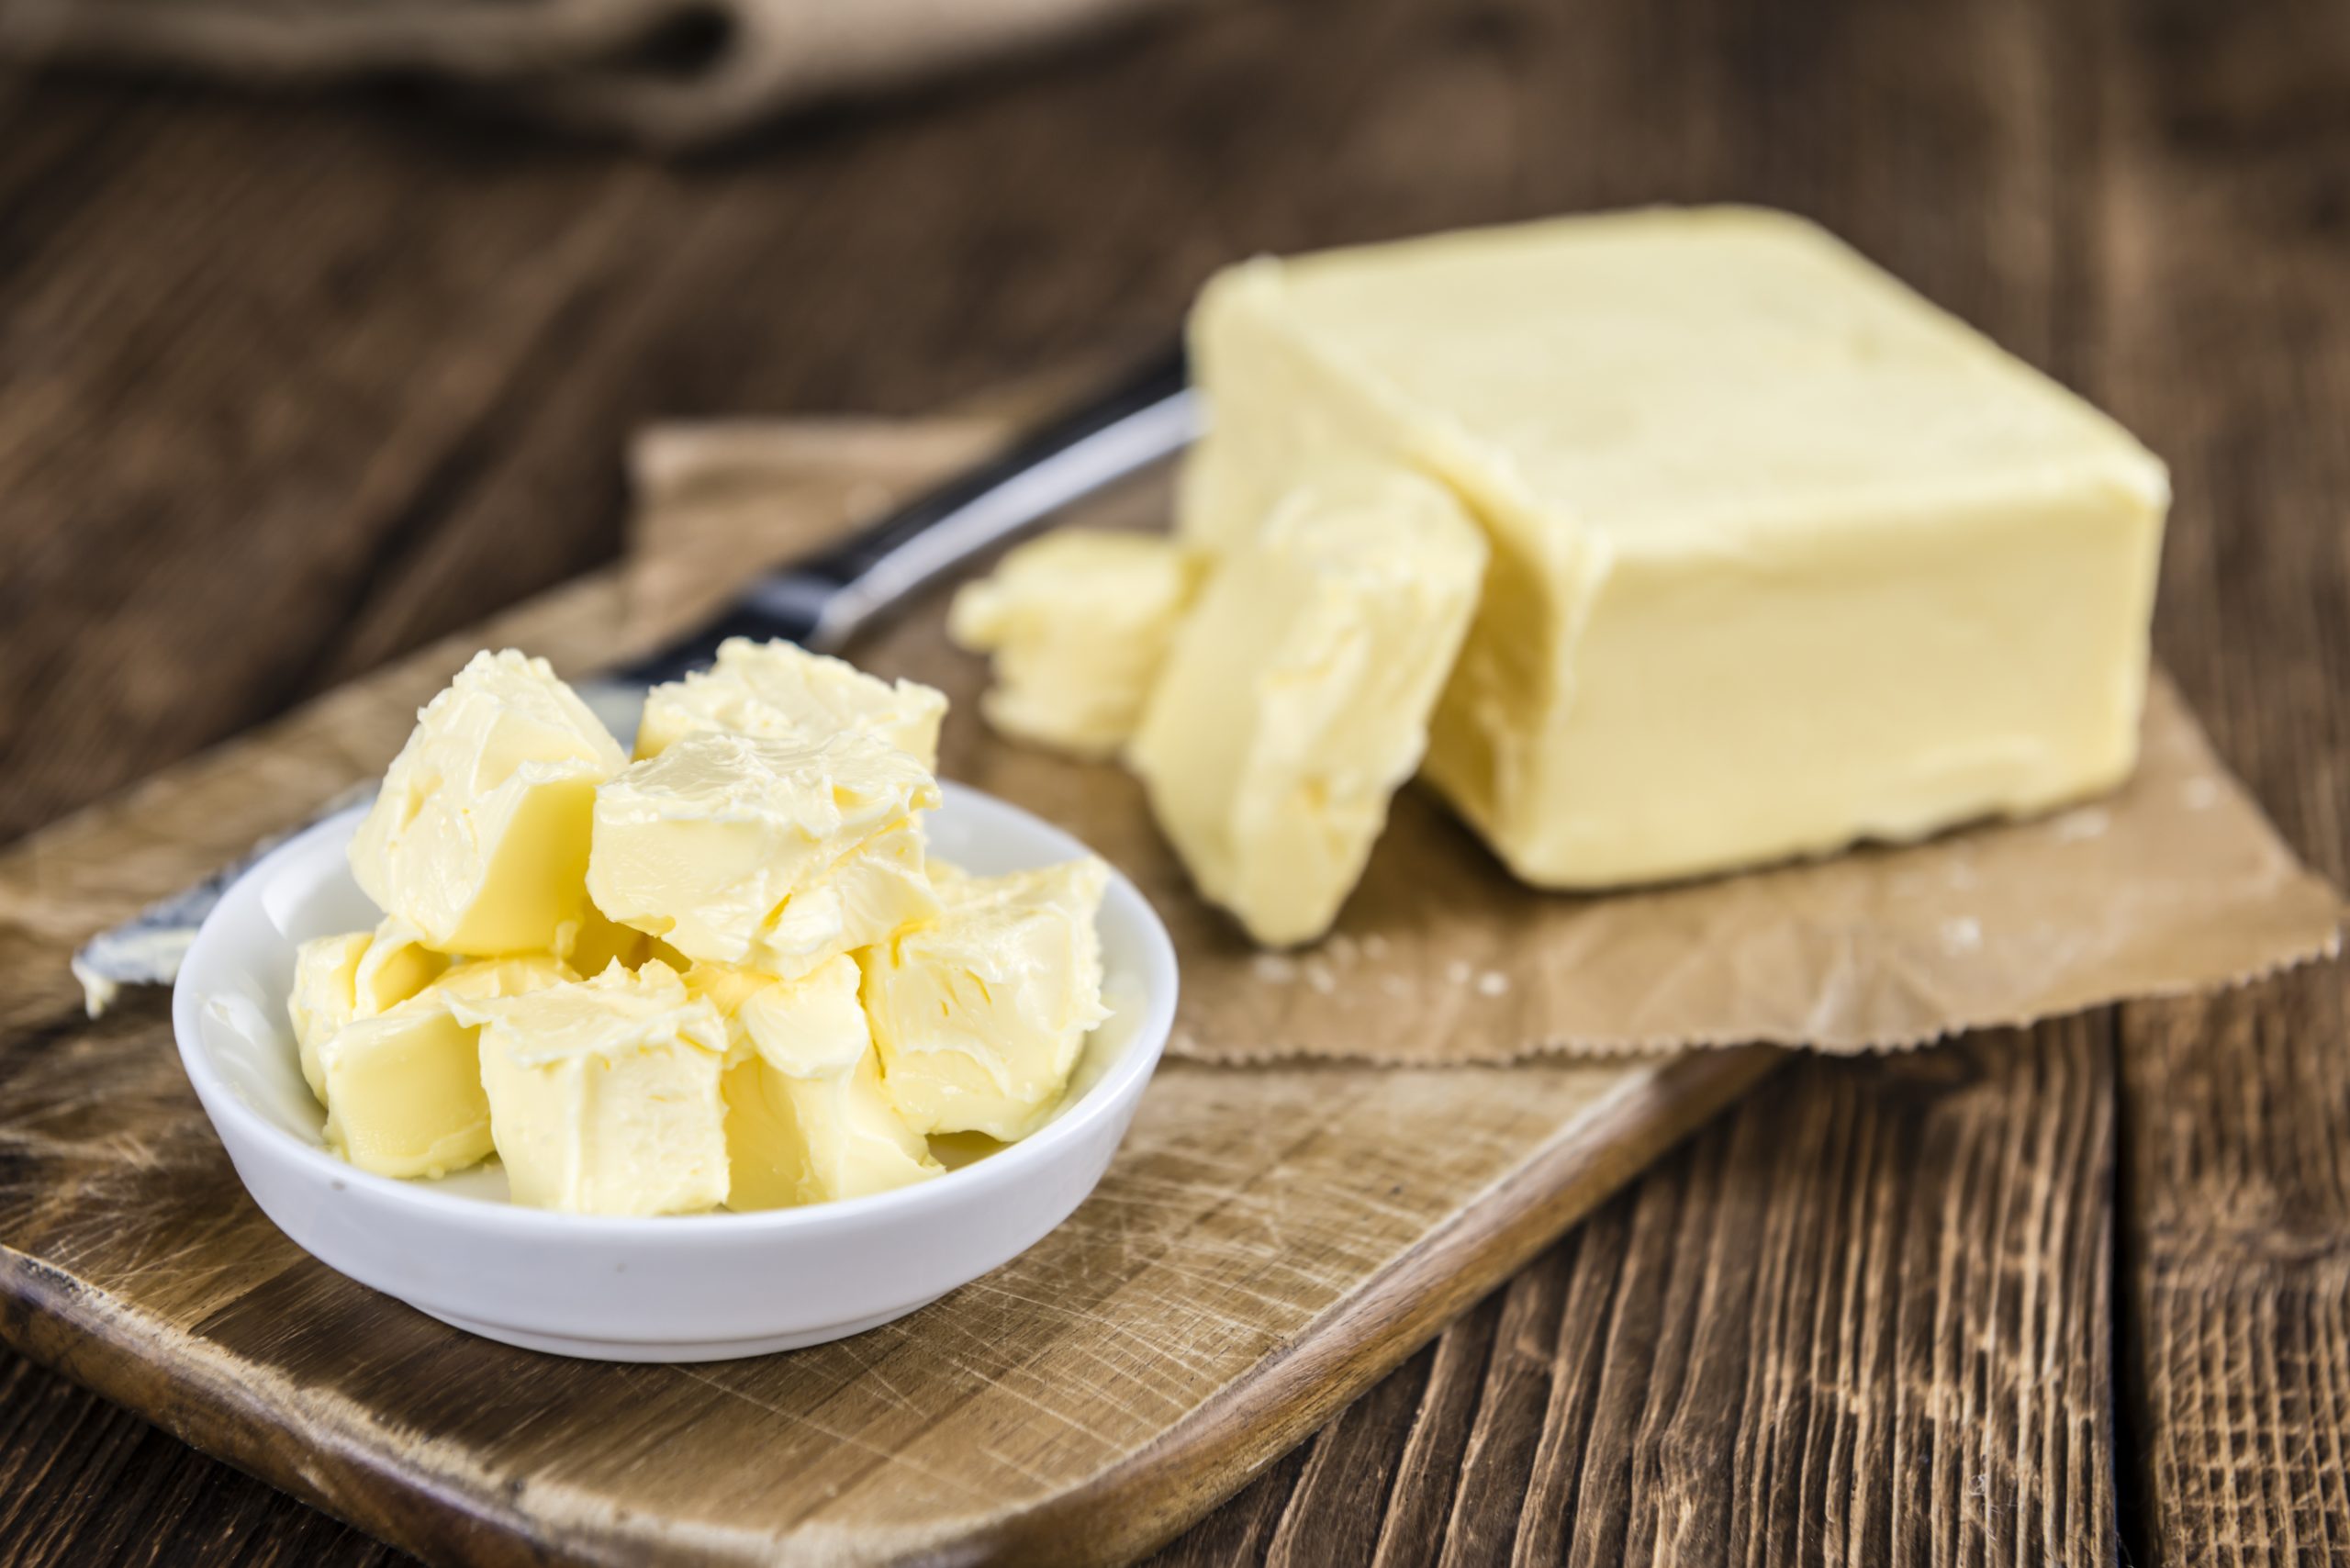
x=820 y=603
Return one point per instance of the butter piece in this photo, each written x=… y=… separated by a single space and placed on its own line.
x=777 y=690
x=1296 y=699
x=775 y=854
x=1079 y=623
x=1783 y=556
x=979 y=1015
x=479 y=838
x=604 y=1094
x=806 y=1118
x=595 y=942
x=403 y=1087
x=357 y=975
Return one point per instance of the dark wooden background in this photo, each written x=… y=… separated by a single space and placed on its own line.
x=286 y=388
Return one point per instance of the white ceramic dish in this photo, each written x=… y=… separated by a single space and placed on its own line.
x=679 y=1288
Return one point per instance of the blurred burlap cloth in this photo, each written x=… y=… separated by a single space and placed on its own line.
x=671 y=73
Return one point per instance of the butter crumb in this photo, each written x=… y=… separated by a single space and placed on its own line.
x=1493 y=983
x=1275 y=968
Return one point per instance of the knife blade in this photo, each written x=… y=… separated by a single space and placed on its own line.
x=821 y=603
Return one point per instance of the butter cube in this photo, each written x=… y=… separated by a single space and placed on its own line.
x=777 y=690
x=604 y=1094
x=1079 y=623
x=479 y=838
x=979 y=1015
x=403 y=1087
x=806 y=1118
x=775 y=854
x=357 y=975
x=1296 y=699
x=1783 y=556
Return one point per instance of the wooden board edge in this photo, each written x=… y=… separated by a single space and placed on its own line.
x=1150 y=1498
x=1122 y=1514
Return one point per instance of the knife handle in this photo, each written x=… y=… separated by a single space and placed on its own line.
x=821 y=602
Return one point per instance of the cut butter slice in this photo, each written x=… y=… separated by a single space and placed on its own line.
x=604 y=1094
x=1296 y=699
x=777 y=690
x=1078 y=623
x=1783 y=556
x=980 y=1014
x=806 y=1118
x=403 y=1087
x=775 y=854
x=479 y=837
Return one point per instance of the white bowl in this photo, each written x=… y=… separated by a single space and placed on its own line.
x=678 y=1288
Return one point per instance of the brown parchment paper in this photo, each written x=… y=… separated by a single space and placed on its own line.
x=2175 y=883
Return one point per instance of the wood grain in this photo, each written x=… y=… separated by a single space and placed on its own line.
x=2142 y=195
x=2228 y=347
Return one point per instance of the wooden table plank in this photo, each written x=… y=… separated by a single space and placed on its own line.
x=2230 y=346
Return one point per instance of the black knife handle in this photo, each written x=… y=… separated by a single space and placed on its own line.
x=822 y=600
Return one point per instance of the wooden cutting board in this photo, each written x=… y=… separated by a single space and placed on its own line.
x=1269 y=1242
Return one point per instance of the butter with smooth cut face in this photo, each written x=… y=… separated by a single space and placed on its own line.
x=357 y=975
x=479 y=837
x=1296 y=699
x=775 y=854
x=777 y=690
x=1078 y=623
x=806 y=1118
x=1783 y=555
x=403 y=1087
x=980 y=1014
x=604 y=1094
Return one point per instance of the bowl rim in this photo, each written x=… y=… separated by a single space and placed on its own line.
x=1108 y=1096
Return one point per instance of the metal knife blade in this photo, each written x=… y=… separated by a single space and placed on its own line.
x=820 y=603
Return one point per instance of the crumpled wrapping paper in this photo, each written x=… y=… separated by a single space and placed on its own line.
x=2174 y=883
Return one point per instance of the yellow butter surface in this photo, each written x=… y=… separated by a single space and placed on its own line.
x=604 y=1094
x=806 y=1118
x=1078 y=623
x=480 y=837
x=980 y=1014
x=1296 y=699
x=1783 y=556
x=403 y=1087
x=778 y=690
x=777 y=854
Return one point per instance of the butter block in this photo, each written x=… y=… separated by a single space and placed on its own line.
x=479 y=837
x=604 y=1094
x=777 y=690
x=357 y=975
x=1078 y=623
x=1296 y=699
x=979 y=1015
x=806 y=1118
x=403 y=1087
x=1783 y=556
x=775 y=854
x=595 y=942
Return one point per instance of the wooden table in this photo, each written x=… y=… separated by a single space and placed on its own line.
x=287 y=388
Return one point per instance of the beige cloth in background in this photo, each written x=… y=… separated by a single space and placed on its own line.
x=590 y=63
x=2176 y=883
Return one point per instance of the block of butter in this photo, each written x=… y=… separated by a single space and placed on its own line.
x=806 y=1118
x=1077 y=621
x=773 y=854
x=604 y=1094
x=403 y=1087
x=479 y=837
x=980 y=1014
x=357 y=975
x=778 y=690
x=1783 y=556
x=1296 y=699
